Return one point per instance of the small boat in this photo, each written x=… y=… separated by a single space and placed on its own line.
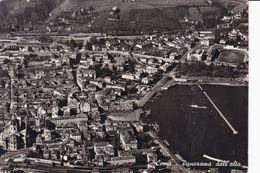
x=165 y=88
x=158 y=95
x=166 y=142
x=155 y=127
x=148 y=111
x=198 y=107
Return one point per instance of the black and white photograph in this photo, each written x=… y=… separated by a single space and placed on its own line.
x=124 y=86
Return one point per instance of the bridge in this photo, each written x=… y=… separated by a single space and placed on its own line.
x=220 y=113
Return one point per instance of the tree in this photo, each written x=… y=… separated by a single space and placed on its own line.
x=45 y=38
x=7 y=61
x=91 y=8
x=25 y=63
x=30 y=49
x=72 y=44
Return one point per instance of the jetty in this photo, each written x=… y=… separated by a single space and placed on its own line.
x=220 y=113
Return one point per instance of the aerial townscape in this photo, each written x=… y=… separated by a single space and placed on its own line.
x=79 y=82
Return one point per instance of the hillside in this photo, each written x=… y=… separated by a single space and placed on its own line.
x=136 y=16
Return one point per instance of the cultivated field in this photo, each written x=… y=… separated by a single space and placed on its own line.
x=135 y=15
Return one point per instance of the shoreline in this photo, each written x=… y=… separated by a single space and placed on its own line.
x=166 y=150
x=173 y=83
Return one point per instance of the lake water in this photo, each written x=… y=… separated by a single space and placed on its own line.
x=193 y=132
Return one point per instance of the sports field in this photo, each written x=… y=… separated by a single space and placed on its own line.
x=231 y=56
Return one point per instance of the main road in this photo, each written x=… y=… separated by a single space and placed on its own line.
x=159 y=84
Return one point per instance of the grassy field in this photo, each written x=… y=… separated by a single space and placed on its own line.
x=231 y=56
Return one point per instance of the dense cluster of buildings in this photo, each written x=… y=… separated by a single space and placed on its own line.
x=56 y=104
x=57 y=97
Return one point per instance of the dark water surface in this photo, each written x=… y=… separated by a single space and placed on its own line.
x=194 y=132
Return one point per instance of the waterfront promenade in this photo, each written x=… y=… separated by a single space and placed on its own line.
x=154 y=90
x=166 y=151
